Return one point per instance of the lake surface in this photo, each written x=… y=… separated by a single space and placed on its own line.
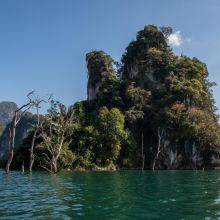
x=111 y=195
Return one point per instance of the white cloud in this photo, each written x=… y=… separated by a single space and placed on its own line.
x=175 y=39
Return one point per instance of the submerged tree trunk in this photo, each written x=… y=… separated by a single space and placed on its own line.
x=17 y=117
x=54 y=165
x=22 y=167
x=32 y=151
x=57 y=155
x=142 y=151
x=11 y=142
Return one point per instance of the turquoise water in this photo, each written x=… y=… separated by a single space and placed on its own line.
x=111 y=195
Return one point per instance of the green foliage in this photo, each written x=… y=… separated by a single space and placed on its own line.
x=148 y=58
x=112 y=134
x=84 y=142
x=110 y=94
x=67 y=157
x=204 y=127
x=100 y=67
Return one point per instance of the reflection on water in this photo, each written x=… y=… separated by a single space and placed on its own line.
x=111 y=195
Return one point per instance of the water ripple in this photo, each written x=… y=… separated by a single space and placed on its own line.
x=110 y=195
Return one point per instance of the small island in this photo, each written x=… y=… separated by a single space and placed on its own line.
x=153 y=110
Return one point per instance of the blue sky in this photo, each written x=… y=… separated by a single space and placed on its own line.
x=43 y=42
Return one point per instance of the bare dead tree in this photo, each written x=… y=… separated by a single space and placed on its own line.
x=12 y=130
x=55 y=136
x=160 y=136
x=37 y=101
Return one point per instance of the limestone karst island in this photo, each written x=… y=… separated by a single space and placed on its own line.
x=154 y=110
x=109 y=110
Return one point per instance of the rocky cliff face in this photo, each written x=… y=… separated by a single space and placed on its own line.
x=92 y=91
x=100 y=69
x=6 y=114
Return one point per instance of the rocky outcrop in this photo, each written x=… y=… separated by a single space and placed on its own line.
x=100 y=69
x=6 y=114
x=92 y=91
x=22 y=129
x=148 y=58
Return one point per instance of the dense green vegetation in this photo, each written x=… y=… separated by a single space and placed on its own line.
x=154 y=110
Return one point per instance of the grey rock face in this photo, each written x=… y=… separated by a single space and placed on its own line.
x=7 y=111
x=93 y=91
x=6 y=114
